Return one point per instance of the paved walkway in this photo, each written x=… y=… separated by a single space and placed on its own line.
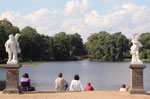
x=76 y=95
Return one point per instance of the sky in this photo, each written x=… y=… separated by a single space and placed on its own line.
x=85 y=17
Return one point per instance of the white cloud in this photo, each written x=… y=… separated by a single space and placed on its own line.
x=76 y=7
x=79 y=17
x=127 y=18
x=43 y=20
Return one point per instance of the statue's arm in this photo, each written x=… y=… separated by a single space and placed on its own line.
x=17 y=37
x=140 y=45
x=6 y=44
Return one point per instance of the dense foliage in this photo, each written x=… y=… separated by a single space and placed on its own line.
x=145 y=50
x=107 y=47
x=101 y=46
x=66 y=47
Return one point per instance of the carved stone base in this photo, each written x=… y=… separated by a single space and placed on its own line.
x=11 y=91
x=136 y=77
x=12 y=78
x=137 y=62
x=137 y=91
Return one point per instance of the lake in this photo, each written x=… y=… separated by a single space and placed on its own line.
x=104 y=76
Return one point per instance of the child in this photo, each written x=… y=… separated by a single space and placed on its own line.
x=89 y=87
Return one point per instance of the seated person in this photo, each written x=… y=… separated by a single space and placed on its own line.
x=124 y=88
x=76 y=84
x=89 y=87
x=26 y=83
x=60 y=83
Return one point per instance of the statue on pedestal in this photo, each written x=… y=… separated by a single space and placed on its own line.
x=135 y=50
x=12 y=48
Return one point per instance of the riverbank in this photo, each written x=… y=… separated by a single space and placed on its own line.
x=33 y=63
x=125 y=60
x=143 y=60
x=76 y=95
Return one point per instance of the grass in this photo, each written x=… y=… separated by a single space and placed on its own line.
x=28 y=63
x=143 y=60
x=1 y=65
x=127 y=60
x=146 y=60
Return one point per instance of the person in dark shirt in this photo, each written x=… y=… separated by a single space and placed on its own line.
x=26 y=83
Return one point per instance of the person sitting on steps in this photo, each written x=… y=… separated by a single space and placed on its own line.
x=89 y=87
x=26 y=83
x=76 y=84
x=124 y=88
x=60 y=83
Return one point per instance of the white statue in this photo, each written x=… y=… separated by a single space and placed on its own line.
x=12 y=48
x=135 y=50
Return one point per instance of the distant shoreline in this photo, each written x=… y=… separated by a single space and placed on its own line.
x=33 y=63
x=125 y=60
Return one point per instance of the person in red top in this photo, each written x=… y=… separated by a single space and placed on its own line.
x=89 y=87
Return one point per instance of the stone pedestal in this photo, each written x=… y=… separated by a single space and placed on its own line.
x=136 y=79
x=12 y=78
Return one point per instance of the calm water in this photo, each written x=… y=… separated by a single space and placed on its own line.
x=107 y=76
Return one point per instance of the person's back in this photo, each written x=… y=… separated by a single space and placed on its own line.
x=89 y=87
x=59 y=83
x=26 y=83
x=76 y=84
x=123 y=88
x=25 y=80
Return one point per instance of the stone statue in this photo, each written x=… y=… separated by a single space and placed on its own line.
x=12 y=48
x=135 y=50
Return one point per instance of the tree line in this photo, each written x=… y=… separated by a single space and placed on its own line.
x=39 y=47
x=101 y=46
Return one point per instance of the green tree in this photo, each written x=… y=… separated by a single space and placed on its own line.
x=61 y=46
x=94 y=45
x=76 y=45
x=35 y=46
x=121 y=44
x=28 y=44
x=2 y=42
x=145 y=50
x=45 y=47
x=127 y=54
x=106 y=47
x=9 y=28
